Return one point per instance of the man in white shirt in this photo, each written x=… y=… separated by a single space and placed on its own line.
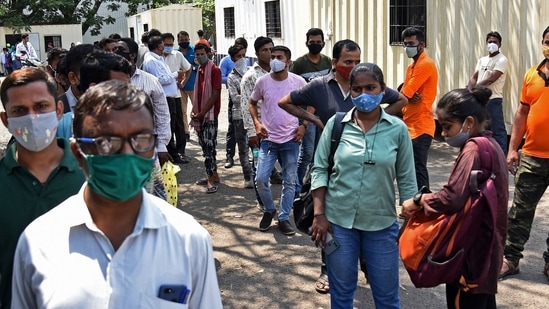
x=176 y=62
x=113 y=245
x=490 y=72
x=24 y=49
x=155 y=64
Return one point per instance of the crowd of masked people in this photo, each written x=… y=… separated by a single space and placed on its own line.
x=91 y=134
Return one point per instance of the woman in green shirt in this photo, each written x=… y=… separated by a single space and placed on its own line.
x=355 y=205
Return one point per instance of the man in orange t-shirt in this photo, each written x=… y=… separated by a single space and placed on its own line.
x=531 y=168
x=420 y=87
x=201 y=39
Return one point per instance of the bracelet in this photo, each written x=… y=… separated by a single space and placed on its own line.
x=317 y=215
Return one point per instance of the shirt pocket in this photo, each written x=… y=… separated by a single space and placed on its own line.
x=149 y=302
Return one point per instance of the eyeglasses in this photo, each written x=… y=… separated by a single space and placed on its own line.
x=108 y=145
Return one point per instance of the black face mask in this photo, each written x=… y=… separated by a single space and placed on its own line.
x=184 y=45
x=314 y=48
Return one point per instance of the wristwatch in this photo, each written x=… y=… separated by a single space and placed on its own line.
x=419 y=194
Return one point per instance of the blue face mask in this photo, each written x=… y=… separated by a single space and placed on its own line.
x=168 y=49
x=367 y=102
x=459 y=139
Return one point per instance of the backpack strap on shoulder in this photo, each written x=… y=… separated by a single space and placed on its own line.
x=337 y=131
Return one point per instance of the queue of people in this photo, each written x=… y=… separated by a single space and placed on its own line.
x=114 y=209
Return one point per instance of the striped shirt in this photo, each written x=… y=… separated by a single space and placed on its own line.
x=247 y=87
x=233 y=83
x=150 y=84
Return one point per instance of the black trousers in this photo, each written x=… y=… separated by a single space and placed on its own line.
x=178 y=142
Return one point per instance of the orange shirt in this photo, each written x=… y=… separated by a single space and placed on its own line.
x=202 y=41
x=535 y=93
x=422 y=77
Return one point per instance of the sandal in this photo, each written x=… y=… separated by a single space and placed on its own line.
x=211 y=190
x=322 y=285
x=508 y=268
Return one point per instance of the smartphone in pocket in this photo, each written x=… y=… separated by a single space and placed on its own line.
x=174 y=293
x=331 y=244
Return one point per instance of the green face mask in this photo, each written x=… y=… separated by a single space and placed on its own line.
x=118 y=177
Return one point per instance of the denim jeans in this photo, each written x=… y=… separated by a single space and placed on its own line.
x=380 y=252
x=421 y=145
x=286 y=154
x=497 y=124
x=306 y=151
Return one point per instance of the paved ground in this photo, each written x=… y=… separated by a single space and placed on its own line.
x=271 y=270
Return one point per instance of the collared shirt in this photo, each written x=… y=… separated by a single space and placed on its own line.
x=233 y=83
x=176 y=61
x=535 y=94
x=71 y=98
x=28 y=49
x=422 y=77
x=155 y=65
x=280 y=124
x=150 y=84
x=247 y=87
x=304 y=67
x=326 y=103
x=24 y=199
x=360 y=195
x=63 y=260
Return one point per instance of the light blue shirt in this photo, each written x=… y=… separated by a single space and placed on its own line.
x=226 y=65
x=64 y=128
x=360 y=195
x=155 y=65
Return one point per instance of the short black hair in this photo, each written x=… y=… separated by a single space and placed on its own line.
x=411 y=31
x=97 y=67
x=545 y=32
x=202 y=46
x=241 y=41
x=494 y=34
x=111 y=94
x=182 y=32
x=260 y=41
x=234 y=49
x=105 y=41
x=115 y=36
x=25 y=76
x=167 y=35
x=200 y=32
x=55 y=53
x=315 y=31
x=145 y=37
x=132 y=45
x=154 y=32
x=75 y=56
x=154 y=42
x=286 y=50
x=349 y=45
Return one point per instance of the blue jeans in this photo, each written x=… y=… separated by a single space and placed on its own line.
x=286 y=154
x=497 y=124
x=380 y=252
x=306 y=151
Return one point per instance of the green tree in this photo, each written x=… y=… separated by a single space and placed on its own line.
x=208 y=15
x=20 y=14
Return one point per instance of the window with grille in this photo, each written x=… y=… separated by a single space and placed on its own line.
x=272 y=19
x=228 y=13
x=54 y=39
x=404 y=14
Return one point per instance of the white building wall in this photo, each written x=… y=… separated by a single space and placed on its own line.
x=172 y=18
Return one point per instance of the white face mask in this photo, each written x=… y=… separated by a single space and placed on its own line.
x=35 y=132
x=492 y=47
x=240 y=66
x=277 y=65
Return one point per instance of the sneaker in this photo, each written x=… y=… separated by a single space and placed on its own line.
x=229 y=163
x=266 y=221
x=249 y=184
x=286 y=228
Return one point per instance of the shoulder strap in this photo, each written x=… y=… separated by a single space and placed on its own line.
x=337 y=131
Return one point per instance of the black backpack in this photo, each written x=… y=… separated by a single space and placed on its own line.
x=303 y=205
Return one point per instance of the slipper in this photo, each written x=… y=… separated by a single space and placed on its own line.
x=322 y=285
x=508 y=268
x=211 y=190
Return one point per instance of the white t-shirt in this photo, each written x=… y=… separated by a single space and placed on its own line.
x=486 y=65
